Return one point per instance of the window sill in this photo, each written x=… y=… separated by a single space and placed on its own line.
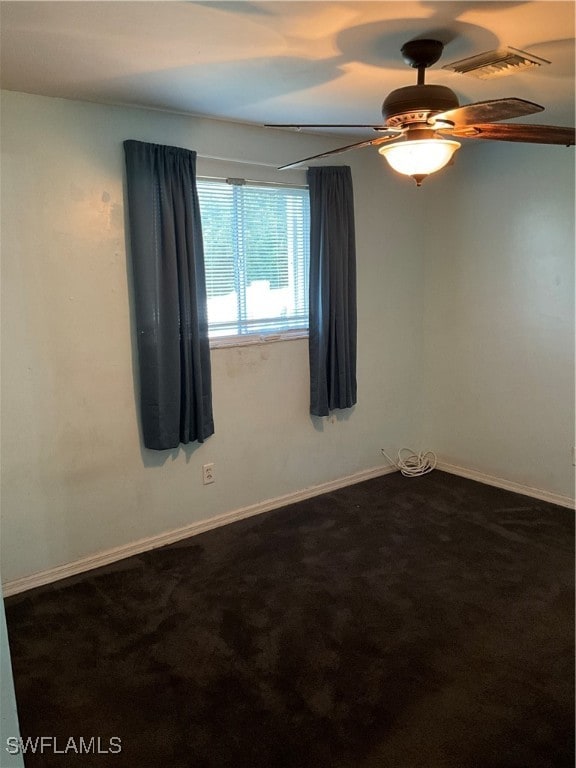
x=224 y=342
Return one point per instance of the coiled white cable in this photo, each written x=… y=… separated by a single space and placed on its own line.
x=415 y=464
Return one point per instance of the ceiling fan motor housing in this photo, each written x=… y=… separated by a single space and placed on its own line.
x=416 y=103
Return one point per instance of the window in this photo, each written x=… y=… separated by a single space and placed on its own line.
x=256 y=251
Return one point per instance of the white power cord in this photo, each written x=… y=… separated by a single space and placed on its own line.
x=415 y=464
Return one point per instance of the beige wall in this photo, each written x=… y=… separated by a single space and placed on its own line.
x=465 y=293
x=499 y=320
x=9 y=728
x=75 y=478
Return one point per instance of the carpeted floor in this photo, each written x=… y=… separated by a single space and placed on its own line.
x=397 y=623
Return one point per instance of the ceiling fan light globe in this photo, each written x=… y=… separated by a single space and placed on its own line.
x=420 y=157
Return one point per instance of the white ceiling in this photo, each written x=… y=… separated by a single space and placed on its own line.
x=278 y=61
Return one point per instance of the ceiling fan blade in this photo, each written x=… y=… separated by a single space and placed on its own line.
x=324 y=125
x=489 y=111
x=535 y=134
x=357 y=145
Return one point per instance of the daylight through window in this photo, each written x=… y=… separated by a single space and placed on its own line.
x=256 y=251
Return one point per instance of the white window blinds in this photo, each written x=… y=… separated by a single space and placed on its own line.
x=256 y=252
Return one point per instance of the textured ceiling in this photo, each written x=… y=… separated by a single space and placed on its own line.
x=260 y=62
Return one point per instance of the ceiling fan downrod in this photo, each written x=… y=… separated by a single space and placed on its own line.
x=421 y=54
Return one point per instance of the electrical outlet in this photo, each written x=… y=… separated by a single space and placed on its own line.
x=208 y=473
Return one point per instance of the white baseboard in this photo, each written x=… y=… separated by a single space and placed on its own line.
x=507 y=485
x=169 y=537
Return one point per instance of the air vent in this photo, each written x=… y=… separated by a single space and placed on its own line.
x=499 y=63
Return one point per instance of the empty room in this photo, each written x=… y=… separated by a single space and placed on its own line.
x=288 y=404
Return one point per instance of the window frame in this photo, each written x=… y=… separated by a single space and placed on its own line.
x=256 y=337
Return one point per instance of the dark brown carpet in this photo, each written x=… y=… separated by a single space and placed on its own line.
x=397 y=623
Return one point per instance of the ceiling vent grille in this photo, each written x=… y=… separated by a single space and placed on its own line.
x=498 y=63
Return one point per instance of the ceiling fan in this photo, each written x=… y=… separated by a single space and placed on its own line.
x=418 y=118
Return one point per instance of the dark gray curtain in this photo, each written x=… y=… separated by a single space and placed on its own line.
x=170 y=295
x=332 y=330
